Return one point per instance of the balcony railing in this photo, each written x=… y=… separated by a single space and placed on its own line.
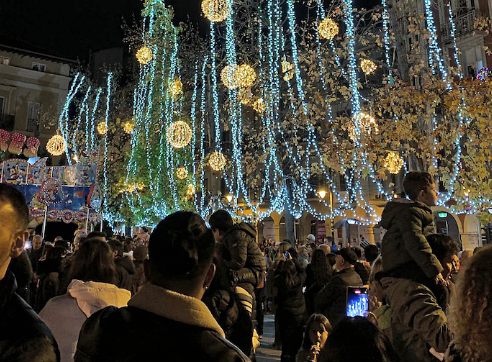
x=7 y=122
x=33 y=126
x=464 y=22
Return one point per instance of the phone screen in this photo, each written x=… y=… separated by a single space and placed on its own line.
x=357 y=301
x=286 y=255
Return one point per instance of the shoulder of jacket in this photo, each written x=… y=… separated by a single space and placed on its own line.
x=240 y=356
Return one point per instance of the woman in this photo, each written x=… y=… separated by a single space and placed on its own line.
x=471 y=311
x=92 y=288
x=318 y=273
x=316 y=334
x=48 y=276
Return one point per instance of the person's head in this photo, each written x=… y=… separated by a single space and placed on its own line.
x=358 y=252
x=116 y=247
x=139 y=242
x=320 y=267
x=345 y=259
x=140 y=253
x=318 y=329
x=97 y=235
x=37 y=242
x=55 y=253
x=371 y=252
x=282 y=248
x=311 y=239
x=181 y=250
x=58 y=238
x=220 y=221
x=420 y=186
x=326 y=248
x=62 y=244
x=93 y=262
x=144 y=229
x=443 y=247
x=302 y=250
x=332 y=259
x=470 y=310
x=375 y=279
x=13 y=233
x=357 y=339
x=465 y=256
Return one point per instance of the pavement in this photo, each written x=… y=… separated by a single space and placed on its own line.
x=267 y=353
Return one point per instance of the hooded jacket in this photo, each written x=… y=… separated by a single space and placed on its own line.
x=404 y=249
x=124 y=270
x=245 y=257
x=66 y=314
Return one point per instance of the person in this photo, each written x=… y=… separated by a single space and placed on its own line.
x=371 y=252
x=331 y=301
x=465 y=256
x=93 y=275
x=303 y=257
x=362 y=267
x=97 y=235
x=318 y=328
x=125 y=269
x=166 y=319
x=405 y=250
x=289 y=280
x=471 y=311
x=318 y=274
x=138 y=280
x=36 y=252
x=48 y=277
x=357 y=339
x=379 y=309
x=80 y=233
x=23 y=335
x=144 y=235
x=311 y=239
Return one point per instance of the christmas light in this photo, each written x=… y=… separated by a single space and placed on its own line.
x=217 y=161
x=144 y=55
x=259 y=105
x=179 y=134
x=393 y=162
x=328 y=28
x=368 y=66
x=56 y=145
x=102 y=128
x=245 y=76
x=228 y=76
x=176 y=87
x=216 y=10
x=365 y=123
x=288 y=70
x=182 y=173
x=244 y=95
x=128 y=126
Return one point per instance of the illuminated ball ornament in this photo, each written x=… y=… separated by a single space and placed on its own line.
x=216 y=10
x=190 y=191
x=367 y=126
x=244 y=95
x=176 y=88
x=245 y=75
x=217 y=161
x=228 y=76
x=144 y=55
x=102 y=128
x=182 y=173
x=287 y=70
x=368 y=66
x=259 y=105
x=328 y=29
x=393 y=162
x=56 y=145
x=128 y=127
x=179 y=134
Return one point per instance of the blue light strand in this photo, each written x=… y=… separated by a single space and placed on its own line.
x=106 y=121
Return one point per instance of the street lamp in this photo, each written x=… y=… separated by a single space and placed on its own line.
x=229 y=198
x=322 y=193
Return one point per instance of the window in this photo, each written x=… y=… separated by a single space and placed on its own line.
x=39 y=67
x=33 y=110
x=2 y=100
x=5 y=60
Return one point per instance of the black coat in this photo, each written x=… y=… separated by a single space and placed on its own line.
x=124 y=271
x=23 y=335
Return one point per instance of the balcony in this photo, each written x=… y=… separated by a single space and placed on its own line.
x=7 y=122
x=464 y=22
x=33 y=126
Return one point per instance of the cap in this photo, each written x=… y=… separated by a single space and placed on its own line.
x=311 y=238
x=348 y=254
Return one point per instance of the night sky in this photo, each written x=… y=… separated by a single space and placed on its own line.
x=70 y=28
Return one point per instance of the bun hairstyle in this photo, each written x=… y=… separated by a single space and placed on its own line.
x=181 y=246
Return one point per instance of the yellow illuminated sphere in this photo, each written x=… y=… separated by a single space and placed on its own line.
x=56 y=145
x=144 y=55
x=140 y=186
x=176 y=87
x=179 y=134
x=368 y=66
x=217 y=161
x=393 y=162
x=245 y=75
x=328 y=29
x=182 y=173
x=216 y=10
x=102 y=129
x=128 y=127
x=228 y=76
x=259 y=105
x=287 y=70
x=190 y=191
x=244 y=95
x=367 y=126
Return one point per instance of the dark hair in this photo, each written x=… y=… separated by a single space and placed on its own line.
x=357 y=251
x=221 y=220
x=415 y=181
x=371 y=253
x=16 y=199
x=315 y=318
x=320 y=267
x=62 y=244
x=96 y=234
x=93 y=262
x=145 y=229
x=353 y=335
x=117 y=246
x=441 y=245
x=181 y=246
x=332 y=259
x=55 y=253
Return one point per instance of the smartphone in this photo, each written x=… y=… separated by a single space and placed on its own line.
x=357 y=302
x=286 y=255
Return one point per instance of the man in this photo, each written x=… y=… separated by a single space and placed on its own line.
x=332 y=299
x=36 y=251
x=124 y=265
x=311 y=239
x=97 y=235
x=23 y=335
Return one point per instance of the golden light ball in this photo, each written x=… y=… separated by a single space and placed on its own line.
x=176 y=88
x=216 y=10
x=287 y=70
x=179 y=134
x=56 y=145
x=128 y=127
x=244 y=95
x=144 y=55
x=217 y=161
x=228 y=76
x=328 y=28
x=190 y=191
x=102 y=128
x=367 y=126
x=393 y=162
x=245 y=75
x=259 y=105
x=182 y=173
x=368 y=66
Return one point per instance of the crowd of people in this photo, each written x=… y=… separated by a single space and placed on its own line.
x=189 y=291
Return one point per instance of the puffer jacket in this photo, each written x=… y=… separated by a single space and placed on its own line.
x=244 y=256
x=404 y=249
x=417 y=322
